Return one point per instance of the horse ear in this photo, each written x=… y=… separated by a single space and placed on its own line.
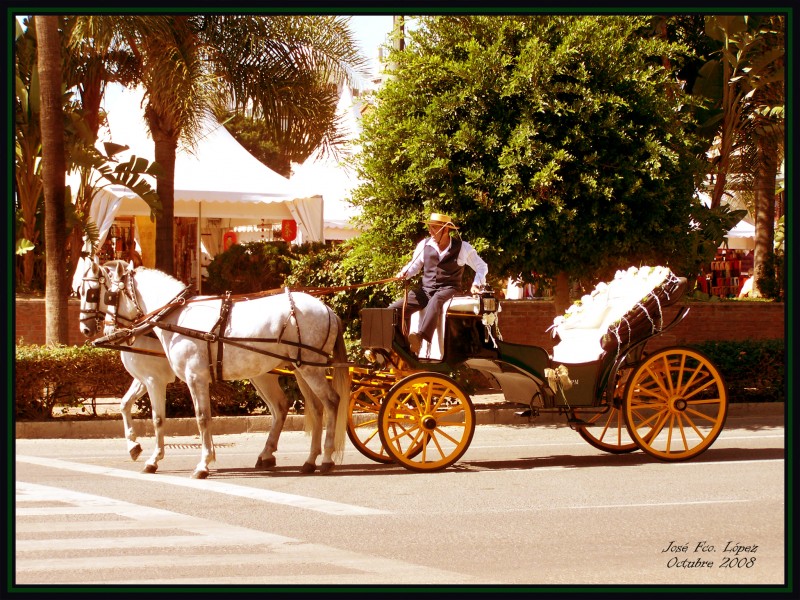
x=131 y=267
x=118 y=272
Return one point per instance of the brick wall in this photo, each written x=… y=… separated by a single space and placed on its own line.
x=30 y=322
x=526 y=322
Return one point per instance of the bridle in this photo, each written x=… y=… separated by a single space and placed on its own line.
x=90 y=308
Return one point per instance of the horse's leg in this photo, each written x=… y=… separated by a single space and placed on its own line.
x=199 y=387
x=135 y=391
x=320 y=387
x=313 y=422
x=268 y=387
x=158 y=403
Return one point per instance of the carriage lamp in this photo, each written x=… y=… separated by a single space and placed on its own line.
x=487 y=303
x=370 y=355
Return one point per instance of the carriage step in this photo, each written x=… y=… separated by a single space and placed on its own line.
x=524 y=413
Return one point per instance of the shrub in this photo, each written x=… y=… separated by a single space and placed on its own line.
x=68 y=376
x=46 y=377
x=248 y=268
x=754 y=371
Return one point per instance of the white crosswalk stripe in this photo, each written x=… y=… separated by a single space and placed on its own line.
x=139 y=545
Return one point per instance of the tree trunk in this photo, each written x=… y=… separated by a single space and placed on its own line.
x=53 y=172
x=562 y=293
x=165 y=151
x=763 y=257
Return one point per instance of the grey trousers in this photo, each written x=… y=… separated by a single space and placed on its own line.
x=433 y=300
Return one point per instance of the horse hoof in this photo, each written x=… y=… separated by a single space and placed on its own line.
x=200 y=475
x=326 y=467
x=266 y=463
x=135 y=452
x=308 y=468
x=148 y=468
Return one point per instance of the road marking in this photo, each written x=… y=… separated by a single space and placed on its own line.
x=182 y=549
x=657 y=504
x=209 y=485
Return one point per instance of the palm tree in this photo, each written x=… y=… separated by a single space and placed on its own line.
x=750 y=78
x=28 y=145
x=192 y=65
x=53 y=169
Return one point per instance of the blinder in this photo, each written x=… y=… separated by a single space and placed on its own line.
x=93 y=295
x=110 y=298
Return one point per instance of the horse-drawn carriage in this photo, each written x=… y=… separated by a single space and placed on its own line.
x=407 y=408
x=671 y=403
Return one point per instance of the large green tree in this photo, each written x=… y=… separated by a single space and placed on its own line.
x=556 y=142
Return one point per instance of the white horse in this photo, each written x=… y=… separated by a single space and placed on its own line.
x=260 y=334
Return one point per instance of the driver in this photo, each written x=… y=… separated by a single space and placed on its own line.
x=441 y=259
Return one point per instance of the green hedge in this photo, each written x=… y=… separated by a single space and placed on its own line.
x=754 y=371
x=64 y=376
x=49 y=379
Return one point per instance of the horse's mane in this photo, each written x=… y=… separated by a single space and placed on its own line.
x=155 y=273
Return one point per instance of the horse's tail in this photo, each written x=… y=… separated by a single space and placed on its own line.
x=341 y=385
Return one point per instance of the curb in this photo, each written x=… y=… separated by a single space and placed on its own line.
x=500 y=414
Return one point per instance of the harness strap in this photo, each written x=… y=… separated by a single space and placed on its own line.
x=217 y=330
x=243 y=342
x=292 y=315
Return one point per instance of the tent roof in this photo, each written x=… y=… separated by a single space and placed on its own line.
x=219 y=179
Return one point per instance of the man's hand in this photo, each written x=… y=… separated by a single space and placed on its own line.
x=476 y=289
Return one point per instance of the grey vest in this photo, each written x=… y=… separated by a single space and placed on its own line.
x=442 y=273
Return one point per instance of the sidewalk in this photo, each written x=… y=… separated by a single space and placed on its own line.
x=490 y=409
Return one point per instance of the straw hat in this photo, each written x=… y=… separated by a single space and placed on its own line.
x=441 y=220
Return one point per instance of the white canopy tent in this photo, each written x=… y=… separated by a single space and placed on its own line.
x=219 y=179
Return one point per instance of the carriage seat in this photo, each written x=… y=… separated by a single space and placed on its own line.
x=460 y=305
x=582 y=327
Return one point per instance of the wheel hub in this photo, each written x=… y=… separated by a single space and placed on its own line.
x=678 y=404
x=428 y=422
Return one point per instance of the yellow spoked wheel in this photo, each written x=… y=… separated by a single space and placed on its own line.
x=675 y=404
x=426 y=422
x=362 y=422
x=607 y=431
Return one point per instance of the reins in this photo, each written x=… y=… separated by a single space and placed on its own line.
x=144 y=323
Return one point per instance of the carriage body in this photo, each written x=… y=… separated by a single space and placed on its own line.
x=672 y=404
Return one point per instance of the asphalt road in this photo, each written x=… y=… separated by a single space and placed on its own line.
x=525 y=506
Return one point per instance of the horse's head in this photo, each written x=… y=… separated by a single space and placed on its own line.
x=86 y=283
x=89 y=281
x=116 y=273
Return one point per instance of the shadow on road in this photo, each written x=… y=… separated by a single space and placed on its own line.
x=516 y=464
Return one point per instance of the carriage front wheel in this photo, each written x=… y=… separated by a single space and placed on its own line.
x=675 y=404
x=426 y=422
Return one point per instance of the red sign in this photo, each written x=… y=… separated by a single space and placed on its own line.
x=288 y=230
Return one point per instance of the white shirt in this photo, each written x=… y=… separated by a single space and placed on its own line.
x=466 y=256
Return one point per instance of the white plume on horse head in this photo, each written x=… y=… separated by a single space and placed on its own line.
x=80 y=270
